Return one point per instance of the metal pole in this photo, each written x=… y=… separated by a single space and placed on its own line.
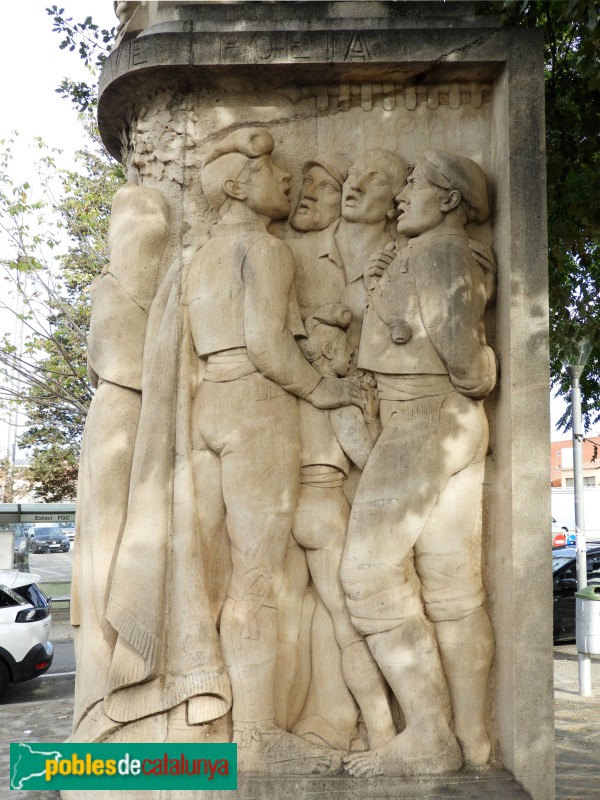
x=583 y=659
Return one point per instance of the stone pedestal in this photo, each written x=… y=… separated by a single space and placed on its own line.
x=341 y=78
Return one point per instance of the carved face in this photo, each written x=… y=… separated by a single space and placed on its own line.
x=368 y=192
x=339 y=352
x=267 y=188
x=319 y=203
x=419 y=205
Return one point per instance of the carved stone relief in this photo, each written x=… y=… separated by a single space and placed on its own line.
x=307 y=434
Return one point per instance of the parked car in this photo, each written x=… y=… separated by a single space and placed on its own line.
x=25 y=651
x=49 y=540
x=565 y=585
x=68 y=528
x=21 y=549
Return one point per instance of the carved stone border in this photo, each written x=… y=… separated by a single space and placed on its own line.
x=517 y=502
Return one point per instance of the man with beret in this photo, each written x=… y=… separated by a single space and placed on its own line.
x=244 y=417
x=420 y=494
x=320 y=194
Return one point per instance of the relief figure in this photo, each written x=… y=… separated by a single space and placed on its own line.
x=245 y=425
x=330 y=263
x=217 y=449
x=120 y=298
x=329 y=269
x=331 y=440
x=420 y=492
x=320 y=194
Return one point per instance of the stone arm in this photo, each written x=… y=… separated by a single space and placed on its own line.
x=268 y=274
x=352 y=434
x=452 y=301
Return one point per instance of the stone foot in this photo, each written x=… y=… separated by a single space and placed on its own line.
x=405 y=755
x=277 y=752
x=476 y=749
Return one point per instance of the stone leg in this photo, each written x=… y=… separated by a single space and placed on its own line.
x=467 y=650
x=330 y=711
x=253 y=428
x=211 y=523
x=409 y=659
x=291 y=661
x=360 y=672
x=413 y=461
x=447 y=560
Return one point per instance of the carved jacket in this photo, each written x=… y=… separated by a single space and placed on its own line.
x=425 y=316
x=321 y=276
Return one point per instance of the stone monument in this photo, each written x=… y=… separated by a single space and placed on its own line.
x=320 y=426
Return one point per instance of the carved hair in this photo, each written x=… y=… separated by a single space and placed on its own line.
x=396 y=168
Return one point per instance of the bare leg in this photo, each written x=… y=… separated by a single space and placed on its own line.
x=410 y=662
x=360 y=672
x=330 y=711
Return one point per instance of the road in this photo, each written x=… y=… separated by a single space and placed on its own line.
x=64 y=658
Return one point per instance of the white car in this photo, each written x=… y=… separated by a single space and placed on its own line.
x=68 y=529
x=25 y=651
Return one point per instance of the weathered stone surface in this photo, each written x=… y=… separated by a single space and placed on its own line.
x=313 y=593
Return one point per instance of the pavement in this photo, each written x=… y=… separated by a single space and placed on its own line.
x=41 y=711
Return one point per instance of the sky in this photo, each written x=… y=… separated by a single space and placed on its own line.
x=32 y=66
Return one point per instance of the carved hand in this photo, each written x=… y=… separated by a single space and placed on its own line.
x=335 y=392
x=377 y=265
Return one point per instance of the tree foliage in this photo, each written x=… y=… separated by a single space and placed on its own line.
x=58 y=247
x=572 y=63
x=91 y=43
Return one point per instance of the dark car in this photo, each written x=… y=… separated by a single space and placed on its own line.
x=48 y=540
x=565 y=586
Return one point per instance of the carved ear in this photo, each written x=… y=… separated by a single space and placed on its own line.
x=234 y=189
x=452 y=201
x=327 y=350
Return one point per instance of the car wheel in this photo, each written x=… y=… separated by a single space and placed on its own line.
x=66 y=548
x=4 y=679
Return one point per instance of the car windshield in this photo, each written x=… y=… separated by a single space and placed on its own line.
x=560 y=561
x=47 y=533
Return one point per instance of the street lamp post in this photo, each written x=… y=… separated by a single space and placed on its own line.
x=575 y=367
